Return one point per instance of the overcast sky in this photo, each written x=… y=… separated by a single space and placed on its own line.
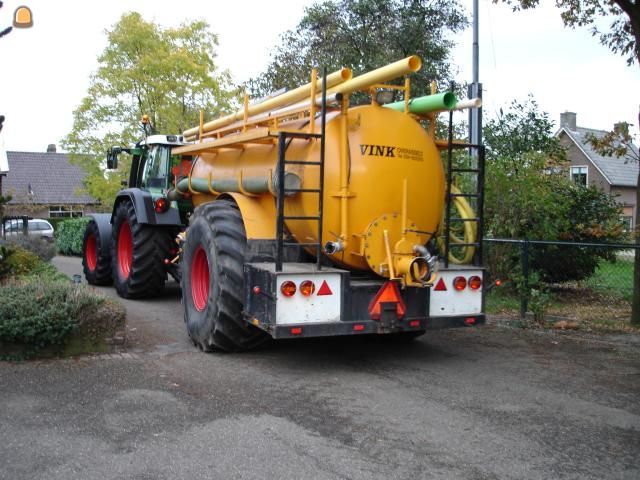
x=45 y=70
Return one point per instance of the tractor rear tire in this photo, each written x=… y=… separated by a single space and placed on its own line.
x=96 y=263
x=138 y=253
x=213 y=280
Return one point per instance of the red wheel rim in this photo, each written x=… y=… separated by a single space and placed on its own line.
x=200 y=279
x=125 y=249
x=91 y=253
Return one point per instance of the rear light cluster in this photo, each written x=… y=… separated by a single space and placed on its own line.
x=306 y=288
x=460 y=283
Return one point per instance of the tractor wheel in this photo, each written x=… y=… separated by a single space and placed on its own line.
x=138 y=253
x=96 y=263
x=213 y=281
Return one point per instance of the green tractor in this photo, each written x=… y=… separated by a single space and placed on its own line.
x=134 y=247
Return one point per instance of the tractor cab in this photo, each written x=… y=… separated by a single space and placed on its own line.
x=152 y=164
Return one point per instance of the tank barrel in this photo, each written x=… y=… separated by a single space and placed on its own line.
x=427 y=104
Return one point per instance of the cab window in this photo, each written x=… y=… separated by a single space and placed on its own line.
x=156 y=168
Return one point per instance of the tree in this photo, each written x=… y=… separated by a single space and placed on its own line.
x=364 y=35
x=622 y=37
x=619 y=143
x=529 y=195
x=166 y=73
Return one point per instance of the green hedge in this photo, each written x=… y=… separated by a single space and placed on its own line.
x=40 y=314
x=70 y=234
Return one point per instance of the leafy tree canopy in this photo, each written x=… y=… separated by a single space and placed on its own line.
x=166 y=73
x=364 y=35
x=530 y=195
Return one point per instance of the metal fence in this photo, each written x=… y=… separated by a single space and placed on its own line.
x=576 y=281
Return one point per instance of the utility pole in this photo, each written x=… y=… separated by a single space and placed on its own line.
x=475 y=89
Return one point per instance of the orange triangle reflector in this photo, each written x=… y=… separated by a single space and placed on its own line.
x=324 y=289
x=440 y=286
x=389 y=293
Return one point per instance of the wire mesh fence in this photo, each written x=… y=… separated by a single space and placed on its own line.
x=574 y=281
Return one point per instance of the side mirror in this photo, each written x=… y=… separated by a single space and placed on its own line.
x=112 y=157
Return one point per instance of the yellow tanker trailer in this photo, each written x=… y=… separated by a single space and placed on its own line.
x=314 y=218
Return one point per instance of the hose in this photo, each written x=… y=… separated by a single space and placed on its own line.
x=469 y=231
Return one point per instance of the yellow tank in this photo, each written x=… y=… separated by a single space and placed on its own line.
x=384 y=185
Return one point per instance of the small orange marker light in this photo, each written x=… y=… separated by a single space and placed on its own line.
x=22 y=17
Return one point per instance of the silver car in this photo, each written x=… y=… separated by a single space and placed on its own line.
x=36 y=227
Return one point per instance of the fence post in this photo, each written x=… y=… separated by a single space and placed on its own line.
x=524 y=294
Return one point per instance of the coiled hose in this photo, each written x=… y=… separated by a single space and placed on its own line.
x=460 y=234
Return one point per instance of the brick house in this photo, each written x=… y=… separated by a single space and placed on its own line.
x=610 y=174
x=45 y=185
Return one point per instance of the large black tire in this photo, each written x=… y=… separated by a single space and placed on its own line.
x=213 y=281
x=96 y=261
x=138 y=253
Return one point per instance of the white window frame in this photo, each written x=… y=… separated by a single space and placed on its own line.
x=586 y=173
x=65 y=211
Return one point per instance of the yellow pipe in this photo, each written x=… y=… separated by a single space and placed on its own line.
x=362 y=82
x=405 y=189
x=384 y=74
x=286 y=98
x=312 y=112
x=344 y=170
x=392 y=273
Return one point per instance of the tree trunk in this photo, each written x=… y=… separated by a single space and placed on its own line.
x=635 y=307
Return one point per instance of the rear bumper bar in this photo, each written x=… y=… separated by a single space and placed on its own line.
x=330 y=329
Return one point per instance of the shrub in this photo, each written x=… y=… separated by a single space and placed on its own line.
x=22 y=262
x=41 y=247
x=70 y=234
x=41 y=314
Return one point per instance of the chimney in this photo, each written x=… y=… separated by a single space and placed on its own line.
x=568 y=120
x=51 y=148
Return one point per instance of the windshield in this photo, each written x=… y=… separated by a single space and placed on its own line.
x=156 y=168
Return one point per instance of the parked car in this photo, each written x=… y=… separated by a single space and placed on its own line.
x=35 y=227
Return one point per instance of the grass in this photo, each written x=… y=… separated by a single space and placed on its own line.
x=613 y=278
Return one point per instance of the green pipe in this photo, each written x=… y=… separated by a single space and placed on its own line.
x=427 y=104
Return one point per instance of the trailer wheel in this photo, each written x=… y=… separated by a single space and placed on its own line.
x=213 y=281
x=138 y=253
x=96 y=263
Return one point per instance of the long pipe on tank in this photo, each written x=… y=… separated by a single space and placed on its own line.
x=335 y=94
x=286 y=98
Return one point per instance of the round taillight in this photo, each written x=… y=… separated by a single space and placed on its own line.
x=161 y=205
x=288 y=288
x=475 y=282
x=307 y=288
x=459 y=283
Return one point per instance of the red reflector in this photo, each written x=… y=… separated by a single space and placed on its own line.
x=459 y=283
x=470 y=320
x=414 y=323
x=358 y=328
x=256 y=290
x=161 y=205
x=288 y=288
x=389 y=293
x=440 y=286
x=324 y=289
x=475 y=282
x=307 y=288
x=296 y=331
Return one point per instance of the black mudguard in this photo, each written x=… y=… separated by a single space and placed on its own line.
x=145 y=213
x=103 y=221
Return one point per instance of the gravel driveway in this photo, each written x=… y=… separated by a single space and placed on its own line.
x=482 y=403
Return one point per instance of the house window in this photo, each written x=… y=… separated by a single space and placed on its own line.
x=627 y=221
x=57 y=211
x=579 y=175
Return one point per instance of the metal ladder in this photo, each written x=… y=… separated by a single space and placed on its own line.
x=283 y=139
x=478 y=171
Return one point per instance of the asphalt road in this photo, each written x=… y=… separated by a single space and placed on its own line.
x=481 y=403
